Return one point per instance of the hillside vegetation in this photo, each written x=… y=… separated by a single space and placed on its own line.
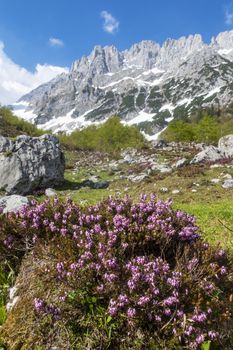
x=109 y=137
x=12 y=126
x=203 y=126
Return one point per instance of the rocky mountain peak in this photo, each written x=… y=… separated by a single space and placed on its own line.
x=223 y=40
x=147 y=85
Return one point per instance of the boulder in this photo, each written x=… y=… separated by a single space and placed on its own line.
x=29 y=163
x=13 y=203
x=209 y=154
x=225 y=144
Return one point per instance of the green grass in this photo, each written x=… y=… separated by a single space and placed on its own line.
x=215 y=220
x=210 y=204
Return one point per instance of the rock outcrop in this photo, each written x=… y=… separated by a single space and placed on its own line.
x=209 y=154
x=29 y=163
x=12 y=203
x=225 y=144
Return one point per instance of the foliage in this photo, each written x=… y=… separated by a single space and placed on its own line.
x=131 y=276
x=12 y=126
x=204 y=128
x=110 y=137
x=179 y=131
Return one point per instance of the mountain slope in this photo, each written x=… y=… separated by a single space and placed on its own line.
x=146 y=85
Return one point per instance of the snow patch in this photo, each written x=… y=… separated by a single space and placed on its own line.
x=212 y=92
x=68 y=124
x=155 y=136
x=169 y=107
x=115 y=83
x=225 y=51
x=20 y=110
x=185 y=101
x=142 y=117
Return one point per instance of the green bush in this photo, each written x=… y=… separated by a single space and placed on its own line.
x=11 y=126
x=204 y=128
x=109 y=137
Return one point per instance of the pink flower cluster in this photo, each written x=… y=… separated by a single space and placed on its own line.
x=127 y=254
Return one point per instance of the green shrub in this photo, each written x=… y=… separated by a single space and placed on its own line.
x=12 y=126
x=199 y=128
x=110 y=137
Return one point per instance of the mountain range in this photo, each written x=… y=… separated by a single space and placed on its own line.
x=147 y=85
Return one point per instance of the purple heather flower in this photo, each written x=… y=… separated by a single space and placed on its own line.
x=38 y=304
x=223 y=270
x=200 y=339
x=131 y=312
x=167 y=312
x=213 y=335
x=157 y=318
x=200 y=318
x=143 y=300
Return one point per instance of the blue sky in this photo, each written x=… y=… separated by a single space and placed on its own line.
x=27 y=25
x=38 y=38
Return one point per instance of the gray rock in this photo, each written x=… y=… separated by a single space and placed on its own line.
x=137 y=178
x=210 y=154
x=180 y=163
x=162 y=168
x=215 y=166
x=225 y=144
x=158 y=143
x=94 y=178
x=175 y=191
x=29 y=163
x=95 y=185
x=13 y=203
x=49 y=192
x=215 y=181
x=13 y=298
x=228 y=184
x=164 y=189
x=227 y=176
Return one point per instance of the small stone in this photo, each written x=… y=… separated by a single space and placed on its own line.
x=175 y=191
x=164 y=189
x=215 y=181
x=228 y=184
x=214 y=166
x=49 y=192
x=138 y=178
x=227 y=176
x=180 y=163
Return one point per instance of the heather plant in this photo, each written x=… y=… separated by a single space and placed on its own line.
x=128 y=275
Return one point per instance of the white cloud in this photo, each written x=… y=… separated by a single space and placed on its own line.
x=55 y=42
x=228 y=17
x=15 y=81
x=111 y=24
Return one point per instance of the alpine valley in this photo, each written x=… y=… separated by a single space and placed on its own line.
x=147 y=85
